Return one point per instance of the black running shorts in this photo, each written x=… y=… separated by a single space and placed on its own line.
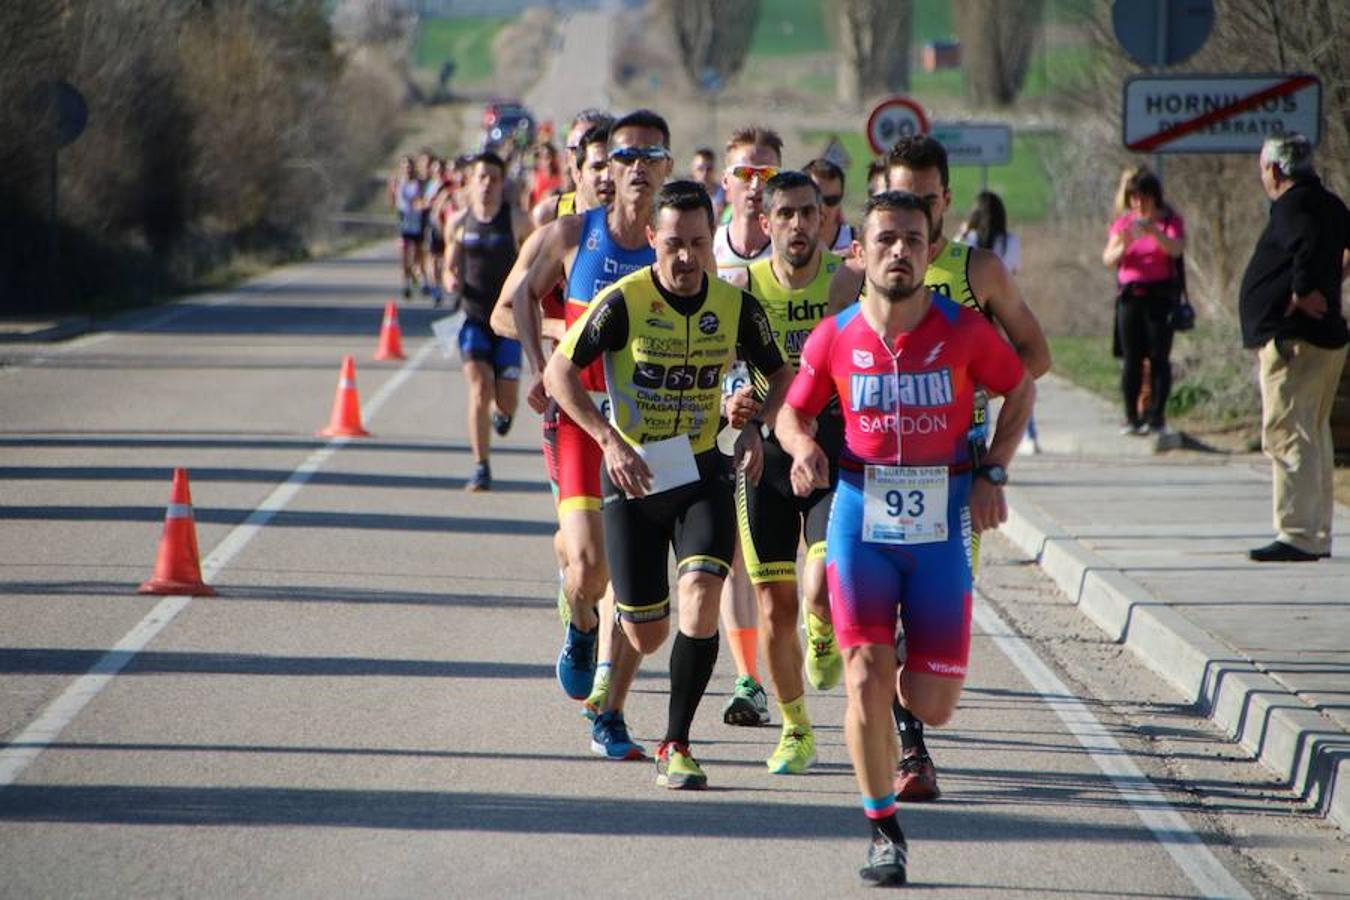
x=772 y=519
x=697 y=520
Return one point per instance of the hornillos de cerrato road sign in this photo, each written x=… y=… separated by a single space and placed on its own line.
x=971 y=144
x=1218 y=113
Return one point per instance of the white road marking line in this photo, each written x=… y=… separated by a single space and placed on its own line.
x=28 y=744
x=1168 y=827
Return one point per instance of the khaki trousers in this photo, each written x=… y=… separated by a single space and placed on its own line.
x=1298 y=387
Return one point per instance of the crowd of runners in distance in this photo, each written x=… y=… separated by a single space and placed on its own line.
x=795 y=402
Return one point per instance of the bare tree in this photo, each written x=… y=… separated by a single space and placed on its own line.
x=874 y=42
x=997 y=37
x=713 y=37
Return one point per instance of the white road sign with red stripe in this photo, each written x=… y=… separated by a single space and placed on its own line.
x=1218 y=113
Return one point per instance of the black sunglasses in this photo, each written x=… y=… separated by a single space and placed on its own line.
x=831 y=199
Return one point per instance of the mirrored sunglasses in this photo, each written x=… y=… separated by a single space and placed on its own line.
x=629 y=155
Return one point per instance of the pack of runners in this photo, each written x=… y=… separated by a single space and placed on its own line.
x=796 y=407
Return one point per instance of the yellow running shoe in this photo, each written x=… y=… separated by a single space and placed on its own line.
x=796 y=752
x=676 y=768
x=824 y=662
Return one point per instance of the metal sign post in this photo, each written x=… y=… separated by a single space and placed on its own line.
x=62 y=116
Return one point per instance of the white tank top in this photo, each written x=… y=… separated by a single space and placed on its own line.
x=731 y=265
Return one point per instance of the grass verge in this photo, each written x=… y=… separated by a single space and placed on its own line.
x=465 y=40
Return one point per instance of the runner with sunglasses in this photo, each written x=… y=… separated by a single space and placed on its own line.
x=593 y=250
x=836 y=235
x=975 y=278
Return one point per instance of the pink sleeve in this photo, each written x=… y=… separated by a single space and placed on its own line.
x=1175 y=227
x=812 y=388
x=1120 y=224
x=994 y=363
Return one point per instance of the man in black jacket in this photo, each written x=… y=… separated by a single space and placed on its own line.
x=1291 y=312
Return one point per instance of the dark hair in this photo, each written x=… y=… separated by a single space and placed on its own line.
x=889 y=201
x=684 y=195
x=707 y=153
x=874 y=168
x=988 y=220
x=592 y=115
x=919 y=151
x=642 y=118
x=820 y=167
x=1145 y=184
x=596 y=134
x=787 y=180
x=488 y=157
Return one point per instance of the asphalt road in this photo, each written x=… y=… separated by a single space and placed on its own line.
x=369 y=708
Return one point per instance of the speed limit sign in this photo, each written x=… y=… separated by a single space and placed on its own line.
x=894 y=118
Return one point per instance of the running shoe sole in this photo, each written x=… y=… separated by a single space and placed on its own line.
x=633 y=753
x=683 y=782
x=741 y=711
x=785 y=768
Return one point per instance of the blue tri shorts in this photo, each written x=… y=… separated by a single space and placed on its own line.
x=926 y=585
x=478 y=343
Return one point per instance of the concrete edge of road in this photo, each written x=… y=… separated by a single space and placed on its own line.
x=43 y=331
x=1304 y=749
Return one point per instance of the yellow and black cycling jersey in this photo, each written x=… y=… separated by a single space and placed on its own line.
x=949 y=275
x=665 y=355
x=793 y=312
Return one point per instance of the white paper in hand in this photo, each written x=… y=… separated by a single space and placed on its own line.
x=671 y=461
x=447 y=334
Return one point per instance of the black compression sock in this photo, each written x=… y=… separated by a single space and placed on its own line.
x=691 y=665
x=890 y=827
x=910 y=729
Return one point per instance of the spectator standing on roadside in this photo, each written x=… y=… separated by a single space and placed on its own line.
x=987 y=227
x=1291 y=314
x=1143 y=245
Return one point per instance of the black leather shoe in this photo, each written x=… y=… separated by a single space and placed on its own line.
x=1279 y=551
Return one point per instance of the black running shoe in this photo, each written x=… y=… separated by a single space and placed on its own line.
x=501 y=423
x=886 y=862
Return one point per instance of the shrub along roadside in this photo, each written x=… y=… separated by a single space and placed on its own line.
x=1213 y=382
x=214 y=128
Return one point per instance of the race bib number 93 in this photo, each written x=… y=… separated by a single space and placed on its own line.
x=905 y=504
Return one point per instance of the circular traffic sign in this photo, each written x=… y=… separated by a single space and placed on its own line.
x=62 y=111
x=1162 y=34
x=894 y=118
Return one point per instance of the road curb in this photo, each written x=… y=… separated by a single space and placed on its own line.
x=1306 y=750
x=20 y=331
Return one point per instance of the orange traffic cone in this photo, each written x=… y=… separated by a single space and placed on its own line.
x=391 y=336
x=178 y=568
x=346 y=418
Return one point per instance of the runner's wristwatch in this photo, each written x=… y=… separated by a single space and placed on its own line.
x=993 y=473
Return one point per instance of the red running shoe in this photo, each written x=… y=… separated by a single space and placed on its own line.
x=916 y=779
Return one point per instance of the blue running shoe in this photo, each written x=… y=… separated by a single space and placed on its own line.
x=576 y=662
x=609 y=738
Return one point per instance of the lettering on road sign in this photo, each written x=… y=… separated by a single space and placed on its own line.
x=1218 y=113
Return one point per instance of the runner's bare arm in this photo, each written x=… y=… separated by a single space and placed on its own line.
x=454 y=251
x=988 y=506
x=522 y=226
x=544 y=211
x=503 y=321
x=991 y=281
x=846 y=285
x=555 y=241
